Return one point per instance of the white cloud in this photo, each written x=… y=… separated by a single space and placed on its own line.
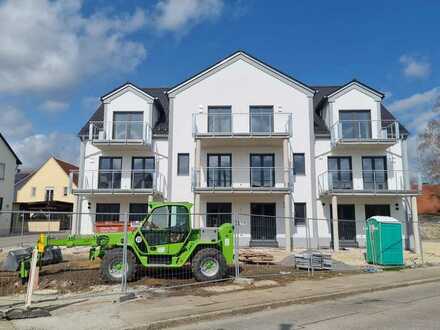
x=14 y=124
x=49 y=45
x=180 y=15
x=53 y=106
x=35 y=149
x=415 y=68
x=415 y=101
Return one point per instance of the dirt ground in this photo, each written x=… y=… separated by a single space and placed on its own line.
x=77 y=274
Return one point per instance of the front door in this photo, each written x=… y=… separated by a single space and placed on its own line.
x=377 y=209
x=263 y=224
x=218 y=214
x=346 y=225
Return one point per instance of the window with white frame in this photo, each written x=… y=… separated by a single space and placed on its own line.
x=49 y=194
x=65 y=191
x=33 y=191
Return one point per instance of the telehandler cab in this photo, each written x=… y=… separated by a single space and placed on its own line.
x=164 y=239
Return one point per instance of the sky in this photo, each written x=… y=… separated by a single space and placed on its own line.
x=58 y=57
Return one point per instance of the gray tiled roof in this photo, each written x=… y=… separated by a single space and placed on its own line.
x=162 y=104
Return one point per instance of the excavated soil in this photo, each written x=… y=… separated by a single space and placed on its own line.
x=76 y=276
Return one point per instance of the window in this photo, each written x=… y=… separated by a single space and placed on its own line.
x=49 y=195
x=374 y=173
x=261 y=119
x=110 y=172
x=299 y=166
x=65 y=191
x=300 y=214
x=33 y=191
x=339 y=173
x=182 y=164
x=107 y=212
x=219 y=120
x=355 y=124
x=2 y=171
x=219 y=170
x=218 y=214
x=1 y=203
x=142 y=172
x=138 y=211
x=262 y=170
x=128 y=125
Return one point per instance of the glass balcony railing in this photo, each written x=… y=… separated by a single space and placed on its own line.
x=352 y=131
x=242 y=178
x=372 y=181
x=242 y=124
x=118 y=132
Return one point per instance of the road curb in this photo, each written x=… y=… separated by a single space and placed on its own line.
x=274 y=304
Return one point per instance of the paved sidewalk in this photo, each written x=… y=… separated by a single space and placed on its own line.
x=153 y=312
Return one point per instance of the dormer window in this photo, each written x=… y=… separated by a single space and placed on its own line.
x=355 y=124
x=128 y=125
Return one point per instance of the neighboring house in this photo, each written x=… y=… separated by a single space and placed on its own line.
x=243 y=137
x=429 y=201
x=46 y=189
x=8 y=167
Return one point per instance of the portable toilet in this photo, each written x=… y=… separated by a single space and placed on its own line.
x=384 y=241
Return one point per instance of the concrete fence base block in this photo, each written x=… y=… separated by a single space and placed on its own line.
x=244 y=281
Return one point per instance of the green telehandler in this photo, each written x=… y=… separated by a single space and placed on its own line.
x=164 y=239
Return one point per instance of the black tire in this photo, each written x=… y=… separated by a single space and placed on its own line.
x=112 y=258
x=199 y=267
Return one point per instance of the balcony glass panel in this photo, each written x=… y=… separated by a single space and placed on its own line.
x=128 y=125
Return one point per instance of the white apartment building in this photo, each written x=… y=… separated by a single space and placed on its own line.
x=8 y=167
x=243 y=138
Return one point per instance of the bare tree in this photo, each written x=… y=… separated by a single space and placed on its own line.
x=429 y=150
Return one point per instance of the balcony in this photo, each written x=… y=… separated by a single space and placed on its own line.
x=111 y=182
x=242 y=126
x=368 y=133
x=130 y=134
x=365 y=183
x=242 y=180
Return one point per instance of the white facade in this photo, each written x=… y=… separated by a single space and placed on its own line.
x=8 y=168
x=241 y=122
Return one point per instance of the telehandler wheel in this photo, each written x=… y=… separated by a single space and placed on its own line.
x=112 y=267
x=208 y=265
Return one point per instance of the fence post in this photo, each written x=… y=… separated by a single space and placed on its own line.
x=124 y=258
x=22 y=229
x=236 y=246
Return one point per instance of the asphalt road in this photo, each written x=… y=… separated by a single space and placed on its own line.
x=415 y=307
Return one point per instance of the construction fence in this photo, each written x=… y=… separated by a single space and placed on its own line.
x=163 y=252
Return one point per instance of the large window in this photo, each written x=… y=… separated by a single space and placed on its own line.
x=355 y=124
x=218 y=214
x=110 y=172
x=262 y=170
x=300 y=213
x=339 y=172
x=261 y=119
x=219 y=170
x=219 y=120
x=107 y=212
x=142 y=172
x=2 y=171
x=374 y=173
x=299 y=167
x=128 y=125
x=183 y=164
x=138 y=211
